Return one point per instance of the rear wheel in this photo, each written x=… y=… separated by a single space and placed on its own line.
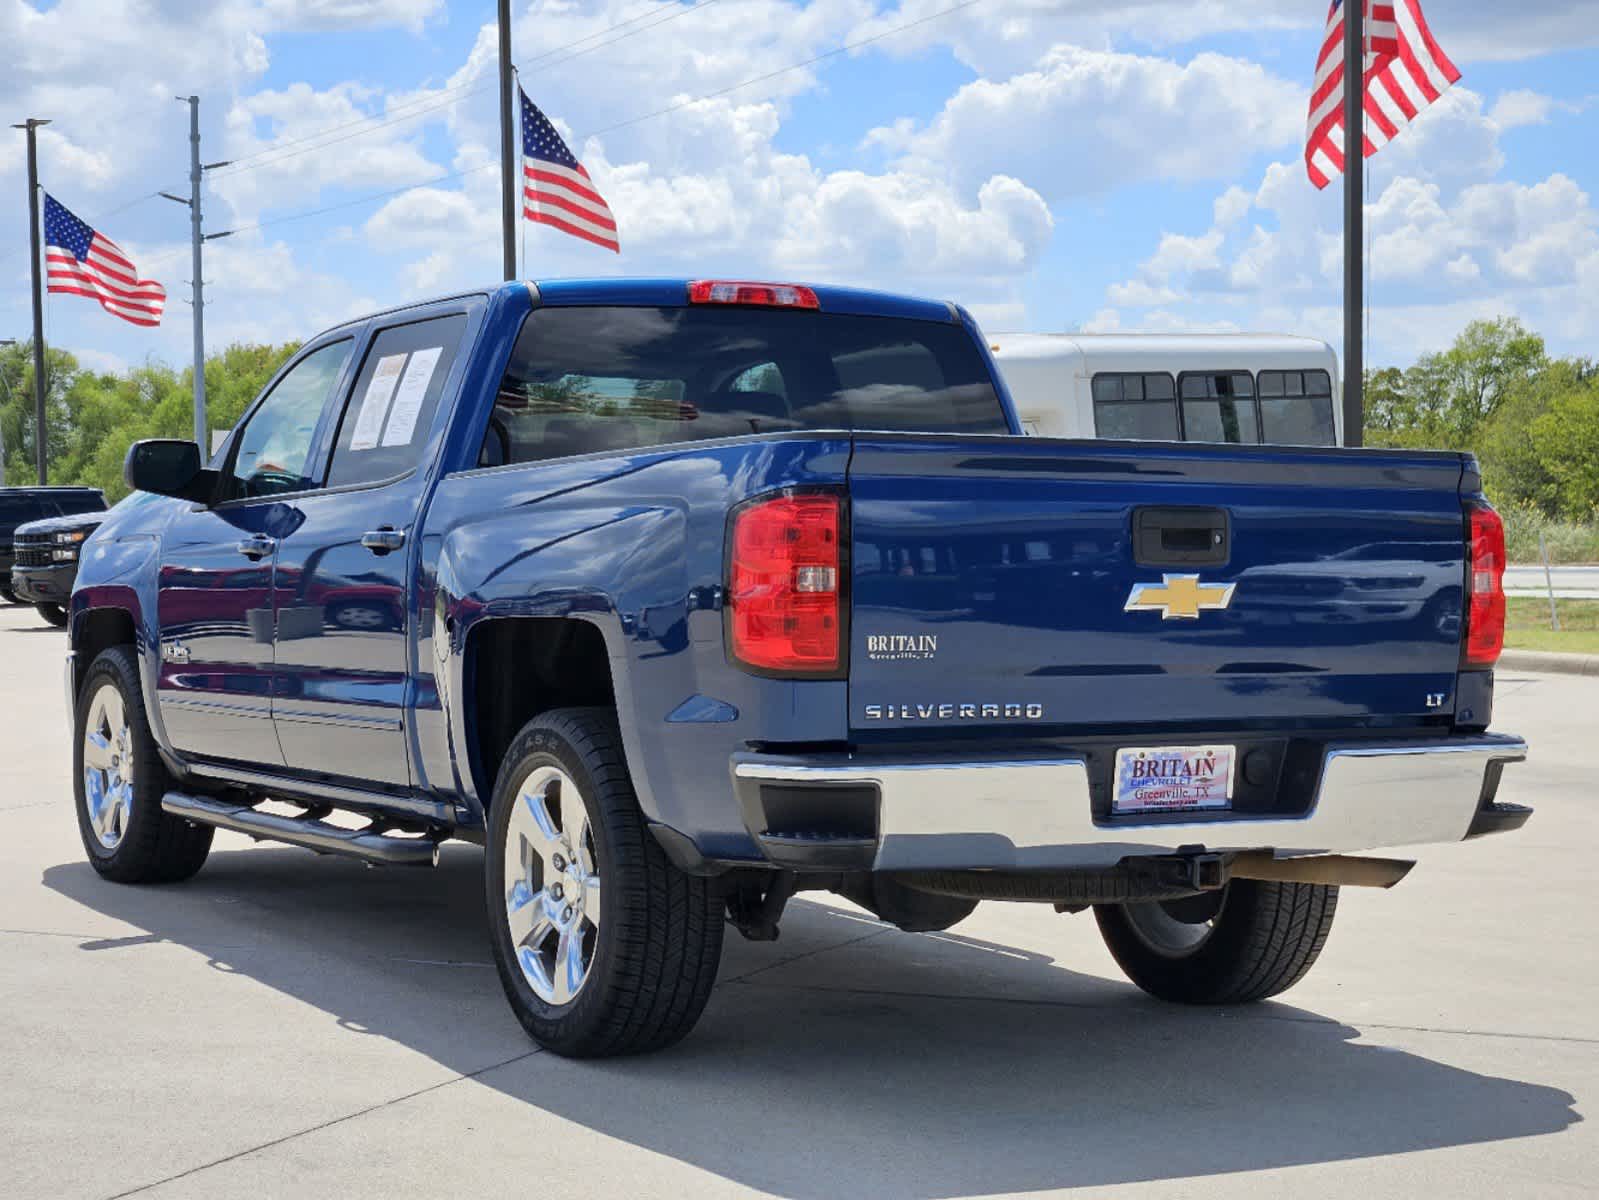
x=53 y=613
x=119 y=779
x=603 y=946
x=1247 y=942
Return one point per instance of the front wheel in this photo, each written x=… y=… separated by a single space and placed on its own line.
x=119 y=779
x=1250 y=941
x=53 y=613
x=603 y=946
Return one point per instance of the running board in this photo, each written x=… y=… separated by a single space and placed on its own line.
x=370 y=845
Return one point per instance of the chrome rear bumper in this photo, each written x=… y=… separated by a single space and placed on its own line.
x=1038 y=815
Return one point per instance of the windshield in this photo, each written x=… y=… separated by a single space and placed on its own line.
x=609 y=378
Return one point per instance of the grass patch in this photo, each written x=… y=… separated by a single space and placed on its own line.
x=1527 y=625
x=1566 y=541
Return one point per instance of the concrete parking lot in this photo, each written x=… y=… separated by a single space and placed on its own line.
x=292 y=1025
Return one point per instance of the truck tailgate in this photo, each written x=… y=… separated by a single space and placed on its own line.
x=996 y=586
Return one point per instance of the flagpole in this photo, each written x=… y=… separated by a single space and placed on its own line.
x=39 y=437
x=1354 y=220
x=507 y=146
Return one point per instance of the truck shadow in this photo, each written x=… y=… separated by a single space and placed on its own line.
x=846 y=1059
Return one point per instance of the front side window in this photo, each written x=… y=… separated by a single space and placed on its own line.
x=1219 y=406
x=275 y=446
x=1296 y=408
x=1135 y=407
x=588 y=379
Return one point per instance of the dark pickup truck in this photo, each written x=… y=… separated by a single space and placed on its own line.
x=30 y=518
x=683 y=596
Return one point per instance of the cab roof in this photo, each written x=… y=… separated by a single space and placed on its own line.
x=673 y=293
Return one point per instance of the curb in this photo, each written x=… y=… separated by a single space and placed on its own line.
x=1550 y=662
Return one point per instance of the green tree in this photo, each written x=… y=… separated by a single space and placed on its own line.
x=1564 y=441
x=17 y=409
x=1454 y=392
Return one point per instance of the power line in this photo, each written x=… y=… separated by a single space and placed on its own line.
x=660 y=112
x=799 y=66
x=423 y=105
x=420 y=106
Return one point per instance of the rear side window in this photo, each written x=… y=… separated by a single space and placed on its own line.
x=1135 y=407
x=390 y=412
x=583 y=380
x=1296 y=408
x=1219 y=406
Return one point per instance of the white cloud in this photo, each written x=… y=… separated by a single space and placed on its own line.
x=752 y=208
x=1442 y=242
x=1000 y=37
x=1087 y=121
x=291 y=145
x=1232 y=206
x=1521 y=107
x=348 y=14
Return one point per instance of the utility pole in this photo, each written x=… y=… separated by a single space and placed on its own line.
x=507 y=144
x=39 y=435
x=1354 y=221
x=198 y=240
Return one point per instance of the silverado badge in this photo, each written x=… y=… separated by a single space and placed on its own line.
x=1180 y=597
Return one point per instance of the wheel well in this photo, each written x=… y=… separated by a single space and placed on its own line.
x=97 y=631
x=519 y=667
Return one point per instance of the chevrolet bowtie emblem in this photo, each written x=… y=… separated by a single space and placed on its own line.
x=1180 y=597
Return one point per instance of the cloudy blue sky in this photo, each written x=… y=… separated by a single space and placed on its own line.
x=1054 y=164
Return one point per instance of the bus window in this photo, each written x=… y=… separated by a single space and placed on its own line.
x=1219 y=406
x=1296 y=408
x=1135 y=407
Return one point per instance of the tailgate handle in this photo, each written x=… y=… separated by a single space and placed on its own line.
x=1181 y=537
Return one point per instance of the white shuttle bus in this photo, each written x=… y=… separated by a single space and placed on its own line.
x=1242 y=388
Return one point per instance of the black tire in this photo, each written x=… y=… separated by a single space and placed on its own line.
x=1261 y=941
x=658 y=944
x=53 y=613
x=154 y=846
x=7 y=596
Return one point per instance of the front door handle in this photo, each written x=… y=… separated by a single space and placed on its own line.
x=258 y=547
x=384 y=540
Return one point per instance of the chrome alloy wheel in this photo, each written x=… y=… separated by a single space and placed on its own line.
x=552 y=882
x=108 y=766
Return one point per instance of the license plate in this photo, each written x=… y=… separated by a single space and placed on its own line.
x=1173 y=779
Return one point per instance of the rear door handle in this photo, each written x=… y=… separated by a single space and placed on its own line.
x=257 y=547
x=384 y=540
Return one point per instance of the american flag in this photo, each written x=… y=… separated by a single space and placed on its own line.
x=556 y=190
x=81 y=262
x=1406 y=71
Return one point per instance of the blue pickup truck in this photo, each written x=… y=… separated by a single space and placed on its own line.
x=680 y=597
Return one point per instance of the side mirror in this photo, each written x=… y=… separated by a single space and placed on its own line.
x=168 y=467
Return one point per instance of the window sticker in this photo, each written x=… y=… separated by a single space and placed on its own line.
x=408 y=399
x=375 y=404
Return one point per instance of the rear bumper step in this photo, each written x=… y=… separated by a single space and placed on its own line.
x=1038 y=814
x=370 y=844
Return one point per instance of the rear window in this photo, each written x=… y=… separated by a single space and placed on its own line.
x=1296 y=408
x=1219 y=406
x=617 y=378
x=1136 y=407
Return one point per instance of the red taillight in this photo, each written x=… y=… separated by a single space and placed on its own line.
x=784 y=581
x=1485 y=609
x=771 y=295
